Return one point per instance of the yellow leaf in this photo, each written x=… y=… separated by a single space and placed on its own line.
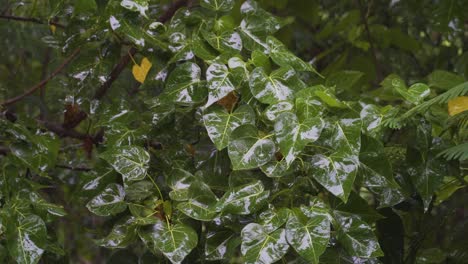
x=53 y=28
x=458 y=105
x=140 y=71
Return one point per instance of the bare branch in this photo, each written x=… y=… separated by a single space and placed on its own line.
x=73 y=168
x=43 y=82
x=30 y=19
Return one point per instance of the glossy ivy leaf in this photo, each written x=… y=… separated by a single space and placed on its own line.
x=308 y=232
x=260 y=59
x=372 y=118
x=42 y=205
x=307 y=104
x=273 y=111
x=260 y=246
x=343 y=135
x=219 y=83
x=356 y=236
x=175 y=241
x=273 y=219
x=130 y=161
x=337 y=171
x=293 y=134
x=376 y=172
x=221 y=245
x=280 y=85
x=284 y=58
x=224 y=42
x=26 y=243
x=277 y=168
x=201 y=202
x=122 y=234
x=109 y=202
x=184 y=86
x=257 y=24
x=244 y=199
x=326 y=95
x=247 y=150
x=179 y=181
x=219 y=123
x=426 y=174
x=137 y=191
x=38 y=152
x=218 y=5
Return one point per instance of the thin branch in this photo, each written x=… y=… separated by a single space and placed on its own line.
x=63 y=132
x=43 y=82
x=4 y=150
x=364 y=16
x=125 y=60
x=73 y=168
x=115 y=73
x=30 y=19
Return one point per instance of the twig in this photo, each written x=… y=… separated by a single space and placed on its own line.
x=115 y=73
x=4 y=150
x=30 y=19
x=43 y=82
x=73 y=168
x=364 y=16
x=63 y=132
x=125 y=60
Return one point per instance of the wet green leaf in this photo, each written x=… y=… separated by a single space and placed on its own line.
x=26 y=243
x=308 y=232
x=218 y=5
x=175 y=241
x=244 y=199
x=220 y=245
x=273 y=111
x=184 y=86
x=109 y=202
x=220 y=124
x=376 y=172
x=121 y=235
x=260 y=246
x=337 y=171
x=219 y=83
x=280 y=85
x=247 y=150
x=179 y=181
x=284 y=58
x=130 y=161
x=201 y=202
x=293 y=134
x=140 y=6
x=356 y=236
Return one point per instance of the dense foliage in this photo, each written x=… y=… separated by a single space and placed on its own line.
x=229 y=131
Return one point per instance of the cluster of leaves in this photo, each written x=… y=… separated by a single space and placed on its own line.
x=222 y=144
